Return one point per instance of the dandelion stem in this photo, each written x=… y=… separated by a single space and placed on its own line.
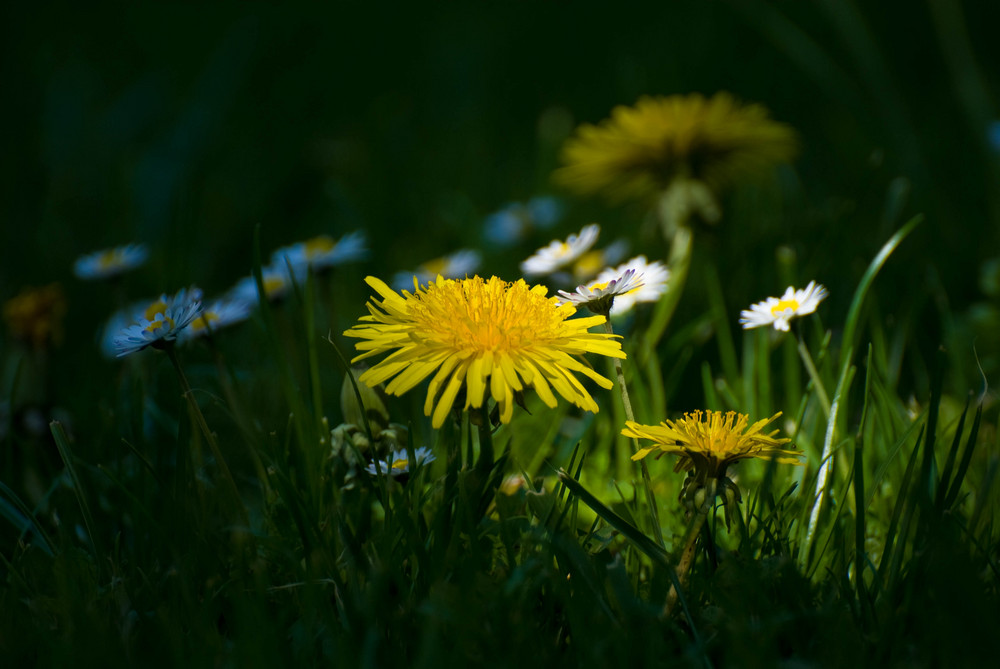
x=199 y=418
x=687 y=558
x=629 y=415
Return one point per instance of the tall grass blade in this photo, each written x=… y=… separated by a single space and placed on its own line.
x=62 y=443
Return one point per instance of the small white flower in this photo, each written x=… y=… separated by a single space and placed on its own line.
x=654 y=283
x=599 y=296
x=321 y=252
x=111 y=262
x=587 y=266
x=457 y=265
x=161 y=322
x=778 y=311
x=277 y=282
x=221 y=313
x=398 y=463
x=559 y=254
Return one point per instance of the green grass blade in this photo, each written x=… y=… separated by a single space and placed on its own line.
x=62 y=443
x=848 y=340
x=963 y=466
x=21 y=517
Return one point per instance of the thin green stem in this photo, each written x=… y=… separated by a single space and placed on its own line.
x=199 y=418
x=807 y=360
x=687 y=559
x=647 y=483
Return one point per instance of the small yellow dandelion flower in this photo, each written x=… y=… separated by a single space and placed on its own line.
x=641 y=150
x=483 y=336
x=712 y=440
x=35 y=315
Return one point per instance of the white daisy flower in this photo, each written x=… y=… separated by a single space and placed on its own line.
x=599 y=296
x=587 y=266
x=222 y=313
x=161 y=322
x=654 y=283
x=110 y=262
x=517 y=220
x=778 y=311
x=558 y=254
x=321 y=252
x=398 y=463
x=457 y=265
x=277 y=282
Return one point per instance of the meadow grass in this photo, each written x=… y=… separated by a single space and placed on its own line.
x=234 y=525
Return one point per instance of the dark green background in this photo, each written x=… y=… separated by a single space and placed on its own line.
x=186 y=126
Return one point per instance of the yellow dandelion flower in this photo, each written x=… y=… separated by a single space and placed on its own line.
x=641 y=150
x=712 y=440
x=483 y=336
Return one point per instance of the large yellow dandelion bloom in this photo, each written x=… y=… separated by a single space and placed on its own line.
x=709 y=441
x=641 y=150
x=480 y=335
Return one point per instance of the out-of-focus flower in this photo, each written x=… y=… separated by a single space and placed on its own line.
x=778 y=311
x=457 y=265
x=559 y=254
x=592 y=262
x=599 y=296
x=161 y=322
x=516 y=220
x=479 y=336
x=111 y=262
x=654 y=283
x=640 y=150
x=277 y=282
x=398 y=463
x=219 y=314
x=321 y=252
x=35 y=315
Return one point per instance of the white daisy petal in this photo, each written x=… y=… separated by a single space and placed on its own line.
x=559 y=254
x=161 y=321
x=111 y=262
x=779 y=311
x=398 y=463
x=654 y=283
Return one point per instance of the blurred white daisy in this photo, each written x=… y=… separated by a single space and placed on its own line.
x=592 y=262
x=599 y=296
x=110 y=262
x=277 y=282
x=654 y=283
x=161 y=322
x=457 y=265
x=221 y=313
x=559 y=254
x=321 y=252
x=398 y=463
x=778 y=311
x=516 y=220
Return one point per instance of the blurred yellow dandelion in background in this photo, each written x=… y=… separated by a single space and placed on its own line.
x=641 y=150
x=488 y=337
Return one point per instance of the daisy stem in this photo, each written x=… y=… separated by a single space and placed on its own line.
x=687 y=558
x=807 y=360
x=629 y=415
x=199 y=418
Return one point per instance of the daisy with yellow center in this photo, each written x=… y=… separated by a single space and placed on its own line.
x=111 y=262
x=488 y=337
x=219 y=314
x=397 y=464
x=599 y=296
x=778 y=311
x=321 y=252
x=559 y=254
x=655 y=276
x=457 y=265
x=641 y=150
x=160 y=323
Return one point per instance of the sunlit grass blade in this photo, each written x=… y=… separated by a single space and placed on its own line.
x=955 y=485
